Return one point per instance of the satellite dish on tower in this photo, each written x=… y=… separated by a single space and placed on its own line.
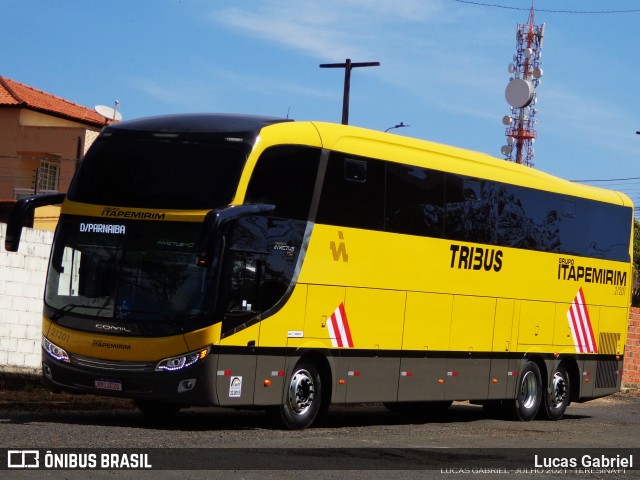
x=519 y=93
x=108 y=112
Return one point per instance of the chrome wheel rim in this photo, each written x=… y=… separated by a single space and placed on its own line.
x=558 y=390
x=529 y=390
x=301 y=392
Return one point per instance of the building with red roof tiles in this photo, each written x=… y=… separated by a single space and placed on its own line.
x=42 y=138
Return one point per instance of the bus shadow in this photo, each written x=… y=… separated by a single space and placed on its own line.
x=218 y=419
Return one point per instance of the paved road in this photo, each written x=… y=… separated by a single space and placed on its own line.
x=609 y=423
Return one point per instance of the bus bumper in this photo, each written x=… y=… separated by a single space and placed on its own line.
x=194 y=385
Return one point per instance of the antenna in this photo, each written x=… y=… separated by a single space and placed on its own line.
x=109 y=113
x=521 y=93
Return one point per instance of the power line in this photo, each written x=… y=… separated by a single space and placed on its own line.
x=607 y=180
x=45 y=157
x=494 y=5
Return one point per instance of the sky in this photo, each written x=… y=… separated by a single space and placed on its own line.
x=443 y=67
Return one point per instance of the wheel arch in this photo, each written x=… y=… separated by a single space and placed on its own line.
x=570 y=364
x=321 y=360
x=542 y=366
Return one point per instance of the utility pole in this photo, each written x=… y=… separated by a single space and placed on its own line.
x=348 y=65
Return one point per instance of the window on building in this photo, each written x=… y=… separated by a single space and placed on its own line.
x=48 y=175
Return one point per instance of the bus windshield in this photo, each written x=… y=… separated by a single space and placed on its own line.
x=138 y=273
x=160 y=170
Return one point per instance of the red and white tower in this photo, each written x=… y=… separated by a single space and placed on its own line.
x=521 y=93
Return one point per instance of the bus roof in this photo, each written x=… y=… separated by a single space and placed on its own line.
x=199 y=123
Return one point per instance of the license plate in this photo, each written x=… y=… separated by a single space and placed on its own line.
x=107 y=384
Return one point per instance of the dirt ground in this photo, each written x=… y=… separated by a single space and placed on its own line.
x=25 y=393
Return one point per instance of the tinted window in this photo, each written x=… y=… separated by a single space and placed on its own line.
x=355 y=170
x=470 y=209
x=259 y=268
x=549 y=222
x=359 y=192
x=139 y=169
x=285 y=176
x=598 y=230
x=353 y=192
x=415 y=200
x=528 y=218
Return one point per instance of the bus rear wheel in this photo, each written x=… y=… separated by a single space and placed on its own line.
x=557 y=397
x=302 y=397
x=529 y=393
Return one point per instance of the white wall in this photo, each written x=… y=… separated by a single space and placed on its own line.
x=22 y=278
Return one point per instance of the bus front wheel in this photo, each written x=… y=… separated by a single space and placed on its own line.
x=302 y=397
x=529 y=393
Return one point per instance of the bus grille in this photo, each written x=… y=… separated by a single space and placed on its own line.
x=607 y=370
x=113 y=365
x=607 y=374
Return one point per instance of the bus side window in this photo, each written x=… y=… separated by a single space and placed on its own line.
x=415 y=200
x=355 y=170
x=242 y=295
x=285 y=177
x=470 y=215
x=568 y=208
x=471 y=190
x=353 y=192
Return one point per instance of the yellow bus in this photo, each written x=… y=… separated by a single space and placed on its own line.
x=247 y=261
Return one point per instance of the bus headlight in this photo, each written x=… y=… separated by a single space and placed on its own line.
x=183 y=361
x=55 y=351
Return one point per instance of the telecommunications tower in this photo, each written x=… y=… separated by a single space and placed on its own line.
x=521 y=93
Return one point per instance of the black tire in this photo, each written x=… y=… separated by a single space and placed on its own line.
x=528 y=394
x=157 y=410
x=302 y=398
x=557 y=396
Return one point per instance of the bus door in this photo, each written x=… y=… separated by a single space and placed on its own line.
x=256 y=275
x=239 y=308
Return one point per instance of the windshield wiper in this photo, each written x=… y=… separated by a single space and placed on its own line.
x=70 y=306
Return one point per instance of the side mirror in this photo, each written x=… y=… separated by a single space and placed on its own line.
x=21 y=211
x=215 y=223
